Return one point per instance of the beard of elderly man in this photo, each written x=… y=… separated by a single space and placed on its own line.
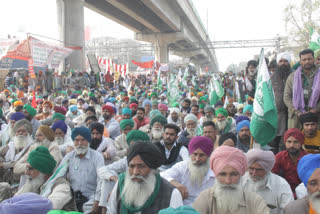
x=227 y=195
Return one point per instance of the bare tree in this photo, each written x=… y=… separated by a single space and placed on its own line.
x=298 y=20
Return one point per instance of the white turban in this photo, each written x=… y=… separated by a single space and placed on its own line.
x=190 y=117
x=284 y=55
x=265 y=158
x=176 y=110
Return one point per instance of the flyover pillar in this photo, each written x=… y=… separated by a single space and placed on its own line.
x=71 y=31
x=162 y=52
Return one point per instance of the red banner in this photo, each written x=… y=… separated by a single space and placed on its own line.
x=143 y=64
x=31 y=70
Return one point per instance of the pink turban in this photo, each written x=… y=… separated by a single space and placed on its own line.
x=226 y=155
x=162 y=107
x=264 y=158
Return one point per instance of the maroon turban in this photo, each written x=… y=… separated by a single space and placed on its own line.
x=294 y=132
x=108 y=108
x=204 y=143
x=61 y=110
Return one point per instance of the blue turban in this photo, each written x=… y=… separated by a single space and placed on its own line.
x=248 y=108
x=241 y=118
x=306 y=166
x=244 y=123
x=73 y=108
x=82 y=131
x=17 y=116
x=60 y=124
x=25 y=204
x=127 y=111
x=145 y=102
x=179 y=210
x=112 y=99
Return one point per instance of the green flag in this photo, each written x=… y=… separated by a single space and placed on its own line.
x=216 y=91
x=173 y=91
x=159 y=82
x=194 y=82
x=184 y=78
x=314 y=40
x=264 y=119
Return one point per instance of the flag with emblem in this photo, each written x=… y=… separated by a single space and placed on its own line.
x=314 y=39
x=264 y=119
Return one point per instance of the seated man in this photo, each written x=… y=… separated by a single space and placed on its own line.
x=172 y=151
x=126 y=125
x=227 y=195
x=39 y=168
x=83 y=164
x=287 y=160
x=13 y=152
x=210 y=131
x=309 y=172
x=191 y=130
x=140 y=118
x=174 y=117
x=7 y=133
x=309 y=122
x=44 y=137
x=243 y=135
x=102 y=144
x=157 y=123
x=109 y=174
x=194 y=175
x=64 y=142
x=141 y=188
x=228 y=139
x=275 y=190
x=223 y=122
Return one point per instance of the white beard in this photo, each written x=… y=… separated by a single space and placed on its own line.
x=46 y=111
x=137 y=193
x=81 y=150
x=157 y=133
x=21 y=141
x=192 y=131
x=259 y=184
x=227 y=197
x=315 y=201
x=197 y=173
x=45 y=143
x=32 y=184
x=222 y=125
x=59 y=140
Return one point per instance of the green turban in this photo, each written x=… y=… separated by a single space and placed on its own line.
x=126 y=122
x=132 y=99
x=32 y=111
x=201 y=106
x=58 y=116
x=248 y=108
x=203 y=98
x=13 y=100
x=62 y=212
x=42 y=160
x=154 y=113
x=153 y=94
x=222 y=111
x=159 y=118
x=155 y=102
x=179 y=210
x=90 y=94
x=135 y=135
x=175 y=105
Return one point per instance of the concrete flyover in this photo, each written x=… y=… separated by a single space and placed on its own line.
x=168 y=24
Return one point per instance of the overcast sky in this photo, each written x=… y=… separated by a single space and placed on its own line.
x=227 y=20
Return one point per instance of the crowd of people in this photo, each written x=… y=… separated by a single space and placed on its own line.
x=103 y=144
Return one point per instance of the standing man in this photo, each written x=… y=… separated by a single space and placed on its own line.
x=302 y=91
x=227 y=195
x=278 y=80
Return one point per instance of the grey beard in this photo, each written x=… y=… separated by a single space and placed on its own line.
x=228 y=196
x=32 y=184
x=222 y=125
x=197 y=173
x=315 y=201
x=137 y=193
x=21 y=141
x=59 y=140
x=191 y=131
x=208 y=118
x=259 y=184
x=81 y=150
x=156 y=133
x=45 y=143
